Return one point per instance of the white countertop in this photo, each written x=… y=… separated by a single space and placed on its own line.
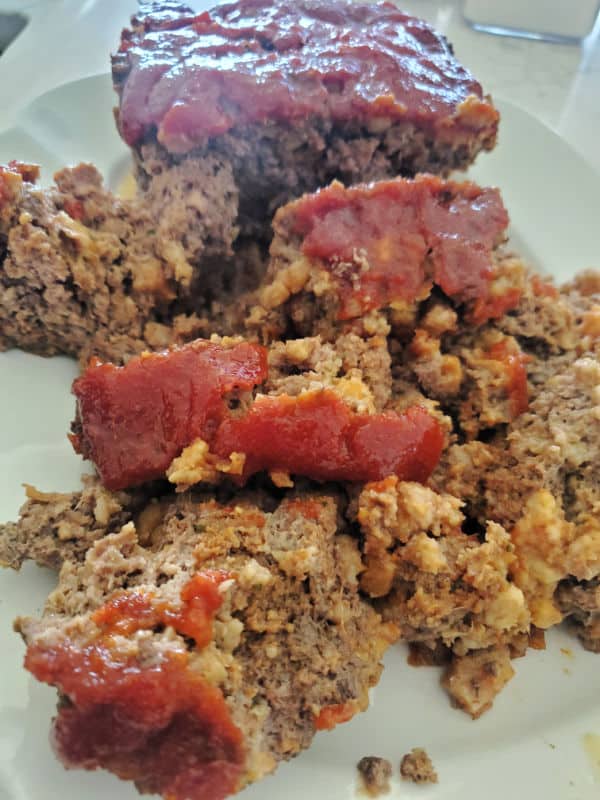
x=558 y=84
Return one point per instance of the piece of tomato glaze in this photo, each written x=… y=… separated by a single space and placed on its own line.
x=134 y=420
x=317 y=435
x=336 y=714
x=413 y=234
x=159 y=724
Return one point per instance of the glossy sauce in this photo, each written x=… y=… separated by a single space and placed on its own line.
x=412 y=234
x=195 y=76
x=135 y=419
x=317 y=435
x=159 y=724
x=330 y=716
x=131 y=611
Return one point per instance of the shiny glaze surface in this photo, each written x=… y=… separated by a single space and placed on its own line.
x=194 y=76
x=135 y=419
x=317 y=435
x=160 y=723
x=392 y=240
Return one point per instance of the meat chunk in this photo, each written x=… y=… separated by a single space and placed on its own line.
x=474 y=680
x=451 y=594
x=343 y=252
x=83 y=272
x=416 y=766
x=375 y=773
x=224 y=633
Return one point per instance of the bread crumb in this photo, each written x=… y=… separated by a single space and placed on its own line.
x=375 y=773
x=416 y=766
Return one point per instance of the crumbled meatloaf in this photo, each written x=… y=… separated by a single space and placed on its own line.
x=416 y=766
x=535 y=472
x=190 y=413
x=83 y=272
x=443 y=587
x=293 y=95
x=196 y=644
x=375 y=773
x=504 y=542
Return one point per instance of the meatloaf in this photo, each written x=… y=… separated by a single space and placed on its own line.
x=84 y=272
x=196 y=644
x=341 y=253
x=503 y=543
x=214 y=409
x=291 y=95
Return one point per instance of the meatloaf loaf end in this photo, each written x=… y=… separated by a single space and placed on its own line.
x=292 y=95
x=195 y=645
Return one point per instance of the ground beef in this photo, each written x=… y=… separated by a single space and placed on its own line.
x=83 y=272
x=441 y=586
x=375 y=773
x=416 y=766
x=291 y=647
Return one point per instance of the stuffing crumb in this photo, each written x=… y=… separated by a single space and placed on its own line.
x=416 y=766
x=375 y=773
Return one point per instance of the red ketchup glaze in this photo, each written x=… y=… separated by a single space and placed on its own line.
x=132 y=611
x=330 y=716
x=513 y=361
x=317 y=435
x=75 y=209
x=413 y=233
x=160 y=724
x=244 y=62
x=135 y=419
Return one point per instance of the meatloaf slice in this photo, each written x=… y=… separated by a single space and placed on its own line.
x=341 y=254
x=295 y=94
x=195 y=645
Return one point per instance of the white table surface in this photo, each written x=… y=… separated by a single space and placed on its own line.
x=559 y=84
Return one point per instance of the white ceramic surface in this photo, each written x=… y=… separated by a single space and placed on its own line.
x=531 y=745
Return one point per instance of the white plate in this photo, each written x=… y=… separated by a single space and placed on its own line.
x=531 y=745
